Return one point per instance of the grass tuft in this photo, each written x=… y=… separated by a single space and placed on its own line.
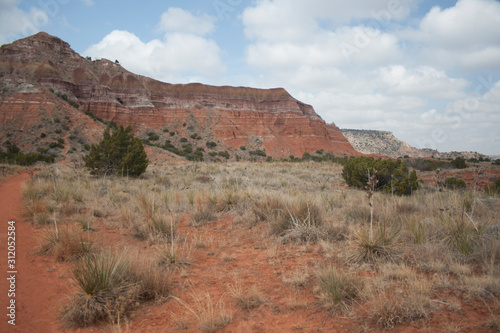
x=210 y=315
x=337 y=287
x=246 y=300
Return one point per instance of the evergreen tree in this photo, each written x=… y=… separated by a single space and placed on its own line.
x=119 y=153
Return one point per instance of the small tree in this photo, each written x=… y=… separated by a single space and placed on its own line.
x=459 y=163
x=118 y=152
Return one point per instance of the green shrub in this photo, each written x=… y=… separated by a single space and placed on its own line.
x=211 y=144
x=118 y=152
x=74 y=104
x=224 y=154
x=258 y=152
x=454 y=183
x=459 y=163
x=152 y=136
x=392 y=177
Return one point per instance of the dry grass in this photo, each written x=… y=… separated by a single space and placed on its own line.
x=211 y=315
x=203 y=214
x=448 y=235
x=336 y=287
x=153 y=282
x=250 y=299
x=65 y=243
x=174 y=255
x=298 y=278
x=410 y=302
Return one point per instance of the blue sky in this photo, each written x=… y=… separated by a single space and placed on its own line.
x=429 y=71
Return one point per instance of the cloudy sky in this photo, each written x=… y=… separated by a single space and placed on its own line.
x=429 y=71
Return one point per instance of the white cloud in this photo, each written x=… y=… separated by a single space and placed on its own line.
x=465 y=36
x=176 y=57
x=468 y=25
x=421 y=81
x=287 y=20
x=88 y=2
x=180 y=20
x=183 y=55
x=16 y=23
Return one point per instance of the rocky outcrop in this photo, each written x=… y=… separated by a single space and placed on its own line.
x=386 y=144
x=382 y=143
x=40 y=66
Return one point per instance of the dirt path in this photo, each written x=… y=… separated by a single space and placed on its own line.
x=38 y=283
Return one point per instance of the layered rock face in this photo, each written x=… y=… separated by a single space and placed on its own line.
x=269 y=119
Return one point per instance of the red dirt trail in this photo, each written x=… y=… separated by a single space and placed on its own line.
x=38 y=285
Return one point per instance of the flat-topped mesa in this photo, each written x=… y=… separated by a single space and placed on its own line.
x=269 y=119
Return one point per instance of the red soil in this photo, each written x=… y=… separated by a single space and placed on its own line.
x=40 y=281
x=231 y=253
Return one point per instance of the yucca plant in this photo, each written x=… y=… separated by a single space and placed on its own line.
x=381 y=245
x=98 y=273
x=104 y=292
x=461 y=234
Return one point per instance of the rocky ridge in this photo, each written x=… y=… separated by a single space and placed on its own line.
x=381 y=142
x=47 y=87
x=385 y=143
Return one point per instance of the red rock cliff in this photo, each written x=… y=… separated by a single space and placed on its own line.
x=235 y=116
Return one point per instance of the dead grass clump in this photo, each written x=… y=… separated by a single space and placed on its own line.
x=203 y=214
x=65 y=243
x=337 y=287
x=126 y=216
x=407 y=208
x=297 y=278
x=158 y=229
x=417 y=228
x=494 y=323
x=147 y=205
x=410 y=302
x=359 y=215
x=210 y=315
x=462 y=235
x=482 y=286
x=246 y=300
x=268 y=208
x=153 y=281
x=34 y=208
x=86 y=222
x=298 y=222
x=296 y=301
x=173 y=255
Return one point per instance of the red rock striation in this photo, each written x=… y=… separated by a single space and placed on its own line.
x=269 y=119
